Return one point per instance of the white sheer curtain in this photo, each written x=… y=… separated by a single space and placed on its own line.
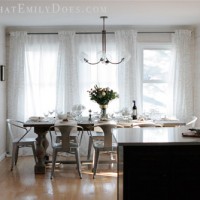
x=46 y=72
x=16 y=79
x=40 y=74
x=181 y=74
x=32 y=74
x=67 y=75
x=129 y=75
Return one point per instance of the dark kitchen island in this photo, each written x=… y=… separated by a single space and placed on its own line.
x=157 y=164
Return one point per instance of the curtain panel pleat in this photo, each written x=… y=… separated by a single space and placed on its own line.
x=129 y=76
x=181 y=75
x=16 y=71
x=67 y=93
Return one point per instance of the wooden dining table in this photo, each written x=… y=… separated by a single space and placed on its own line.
x=170 y=123
x=42 y=126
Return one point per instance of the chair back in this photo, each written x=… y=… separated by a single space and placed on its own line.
x=15 y=129
x=65 y=131
x=192 y=122
x=108 y=130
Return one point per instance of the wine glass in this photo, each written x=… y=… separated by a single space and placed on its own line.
x=46 y=114
x=78 y=115
x=51 y=111
x=126 y=114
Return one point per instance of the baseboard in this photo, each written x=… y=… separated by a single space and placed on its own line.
x=2 y=156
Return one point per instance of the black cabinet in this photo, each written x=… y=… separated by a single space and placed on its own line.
x=163 y=172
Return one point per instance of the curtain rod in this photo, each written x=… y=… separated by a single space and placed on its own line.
x=78 y=33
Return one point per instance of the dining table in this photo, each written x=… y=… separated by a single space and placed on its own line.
x=41 y=128
x=170 y=123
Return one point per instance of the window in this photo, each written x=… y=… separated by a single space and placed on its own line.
x=155 y=62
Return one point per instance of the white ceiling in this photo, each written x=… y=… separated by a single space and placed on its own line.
x=82 y=12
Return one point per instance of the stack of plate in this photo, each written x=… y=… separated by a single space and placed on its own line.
x=36 y=119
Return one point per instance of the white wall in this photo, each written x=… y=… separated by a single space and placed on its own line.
x=197 y=75
x=2 y=97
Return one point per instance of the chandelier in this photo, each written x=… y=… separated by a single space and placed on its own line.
x=104 y=57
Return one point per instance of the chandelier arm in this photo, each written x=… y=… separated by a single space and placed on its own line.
x=115 y=63
x=86 y=60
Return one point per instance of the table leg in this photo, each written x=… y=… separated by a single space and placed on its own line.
x=41 y=147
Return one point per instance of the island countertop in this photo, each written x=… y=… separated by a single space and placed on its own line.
x=153 y=136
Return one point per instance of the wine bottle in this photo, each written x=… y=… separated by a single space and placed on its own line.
x=134 y=111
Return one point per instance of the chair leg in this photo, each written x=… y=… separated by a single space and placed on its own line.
x=96 y=158
x=53 y=162
x=34 y=153
x=16 y=154
x=80 y=134
x=78 y=162
x=13 y=155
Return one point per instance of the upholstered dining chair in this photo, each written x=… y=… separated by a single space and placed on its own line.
x=17 y=134
x=104 y=144
x=67 y=143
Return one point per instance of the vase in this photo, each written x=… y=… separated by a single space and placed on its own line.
x=103 y=111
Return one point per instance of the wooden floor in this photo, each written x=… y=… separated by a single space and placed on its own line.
x=23 y=184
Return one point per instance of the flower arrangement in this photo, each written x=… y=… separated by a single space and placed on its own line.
x=102 y=95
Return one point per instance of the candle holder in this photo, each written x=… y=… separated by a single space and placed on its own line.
x=90 y=115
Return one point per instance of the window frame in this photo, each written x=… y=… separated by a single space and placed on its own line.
x=150 y=46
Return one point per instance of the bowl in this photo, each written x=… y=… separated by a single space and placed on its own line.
x=62 y=116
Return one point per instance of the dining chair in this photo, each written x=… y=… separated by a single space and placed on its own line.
x=67 y=143
x=105 y=144
x=17 y=134
x=96 y=133
x=192 y=122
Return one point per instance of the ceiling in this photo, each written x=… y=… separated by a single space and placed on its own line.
x=82 y=12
